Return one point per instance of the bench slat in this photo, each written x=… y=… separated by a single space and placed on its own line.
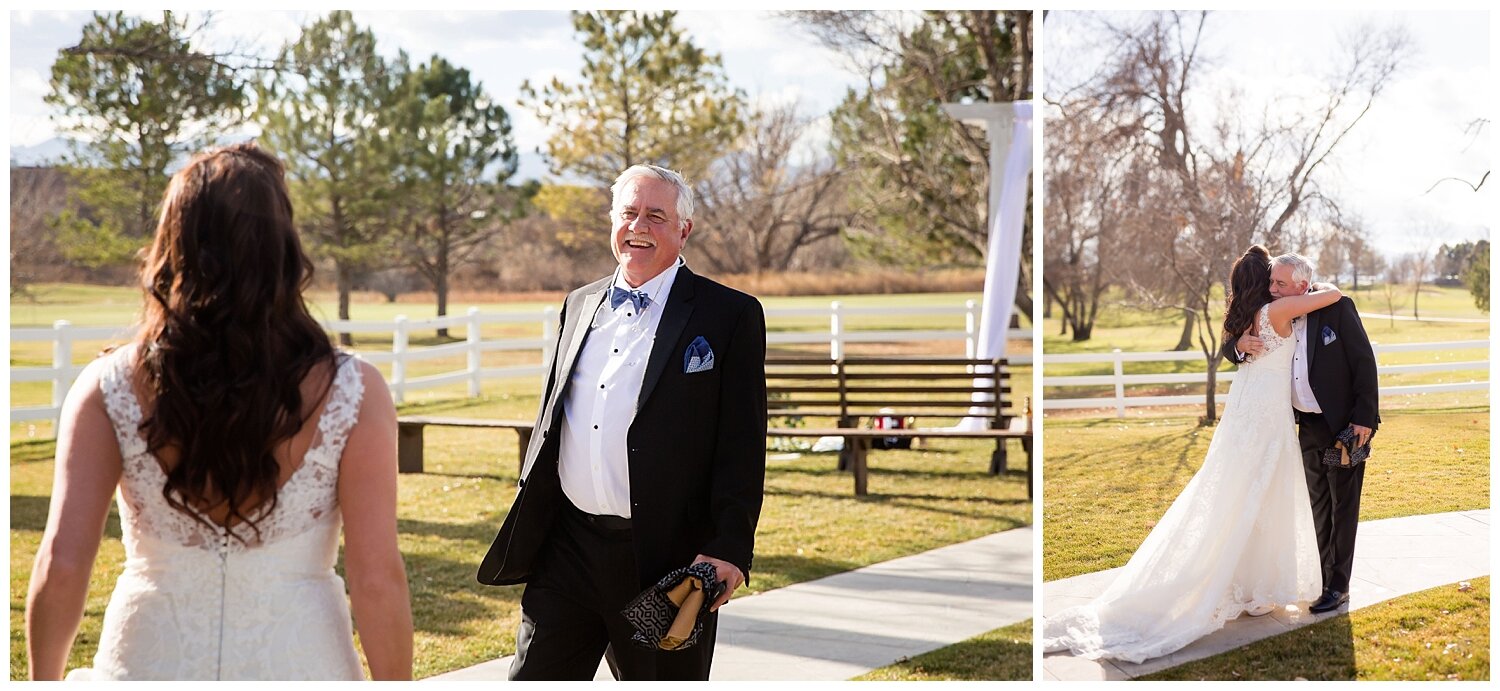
x=439 y=421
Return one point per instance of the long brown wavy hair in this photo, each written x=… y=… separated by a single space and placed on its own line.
x=1249 y=290
x=226 y=338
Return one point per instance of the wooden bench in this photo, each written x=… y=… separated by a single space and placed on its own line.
x=409 y=436
x=852 y=390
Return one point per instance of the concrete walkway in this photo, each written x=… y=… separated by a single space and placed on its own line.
x=1393 y=557
x=847 y=624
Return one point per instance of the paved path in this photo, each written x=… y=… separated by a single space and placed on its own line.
x=847 y=624
x=1393 y=557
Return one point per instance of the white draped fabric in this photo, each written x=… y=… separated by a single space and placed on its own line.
x=1010 y=166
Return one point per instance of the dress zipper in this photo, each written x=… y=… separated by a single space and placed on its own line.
x=223 y=588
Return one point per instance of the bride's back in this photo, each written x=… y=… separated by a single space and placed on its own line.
x=231 y=412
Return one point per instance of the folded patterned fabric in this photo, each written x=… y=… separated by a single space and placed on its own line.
x=669 y=615
x=1346 y=451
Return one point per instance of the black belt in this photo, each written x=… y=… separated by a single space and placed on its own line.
x=601 y=522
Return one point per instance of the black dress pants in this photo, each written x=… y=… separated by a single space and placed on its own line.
x=1335 y=501
x=570 y=611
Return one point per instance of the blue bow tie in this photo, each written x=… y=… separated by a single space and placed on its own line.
x=618 y=296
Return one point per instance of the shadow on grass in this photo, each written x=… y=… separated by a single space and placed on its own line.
x=1010 y=661
x=29 y=513
x=32 y=451
x=482 y=531
x=447 y=601
x=877 y=497
x=796 y=568
x=1318 y=652
x=907 y=473
x=510 y=479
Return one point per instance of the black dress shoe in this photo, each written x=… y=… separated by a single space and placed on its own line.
x=1331 y=600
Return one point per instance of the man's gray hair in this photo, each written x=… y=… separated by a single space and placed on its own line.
x=1302 y=267
x=644 y=170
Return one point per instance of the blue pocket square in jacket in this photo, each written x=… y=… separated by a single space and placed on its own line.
x=1329 y=336
x=699 y=357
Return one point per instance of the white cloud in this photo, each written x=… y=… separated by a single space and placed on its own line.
x=29 y=18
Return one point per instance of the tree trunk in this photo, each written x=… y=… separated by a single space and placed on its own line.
x=1082 y=332
x=441 y=284
x=346 y=283
x=1213 y=389
x=1046 y=306
x=1185 y=341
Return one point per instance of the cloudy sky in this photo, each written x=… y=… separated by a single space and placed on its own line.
x=1413 y=137
x=763 y=54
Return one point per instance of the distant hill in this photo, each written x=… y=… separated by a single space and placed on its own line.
x=47 y=153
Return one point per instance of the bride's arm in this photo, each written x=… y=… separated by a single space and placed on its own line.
x=86 y=471
x=378 y=592
x=1284 y=310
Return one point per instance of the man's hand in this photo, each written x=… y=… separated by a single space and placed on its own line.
x=1362 y=433
x=1250 y=345
x=728 y=573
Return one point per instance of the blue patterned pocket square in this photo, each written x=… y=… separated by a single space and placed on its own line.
x=1329 y=336
x=699 y=357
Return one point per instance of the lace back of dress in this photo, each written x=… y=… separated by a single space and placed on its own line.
x=1268 y=333
x=308 y=497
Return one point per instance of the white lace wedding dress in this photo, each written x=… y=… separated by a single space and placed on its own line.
x=194 y=603
x=1239 y=537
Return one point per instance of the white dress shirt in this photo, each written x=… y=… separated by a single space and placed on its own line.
x=1302 y=393
x=593 y=461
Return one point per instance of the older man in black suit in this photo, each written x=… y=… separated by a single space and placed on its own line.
x=650 y=454
x=1334 y=386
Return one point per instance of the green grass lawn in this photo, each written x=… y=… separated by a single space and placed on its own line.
x=1108 y=481
x=1437 y=634
x=811 y=526
x=1000 y=655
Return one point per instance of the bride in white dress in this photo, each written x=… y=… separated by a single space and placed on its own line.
x=239 y=442
x=1240 y=538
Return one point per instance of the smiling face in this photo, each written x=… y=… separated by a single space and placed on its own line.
x=1282 y=283
x=648 y=234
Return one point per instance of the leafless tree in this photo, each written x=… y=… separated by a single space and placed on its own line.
x=904 y=157
x=1393 y=285
x=1092 y=173
x=1224 y=182
x=36 y=196
x=758 y=209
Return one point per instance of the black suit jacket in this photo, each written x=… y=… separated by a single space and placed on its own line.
x=697 y=446
x=1340 y=371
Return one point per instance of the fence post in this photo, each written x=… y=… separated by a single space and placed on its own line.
x=475 y=378
x=835 y=330
x=971 y=329
x=398 y=360
x=1119 y=383
x=62 y=366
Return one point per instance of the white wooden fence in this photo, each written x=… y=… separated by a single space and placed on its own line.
x=1119 y=380
x=402 y=354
